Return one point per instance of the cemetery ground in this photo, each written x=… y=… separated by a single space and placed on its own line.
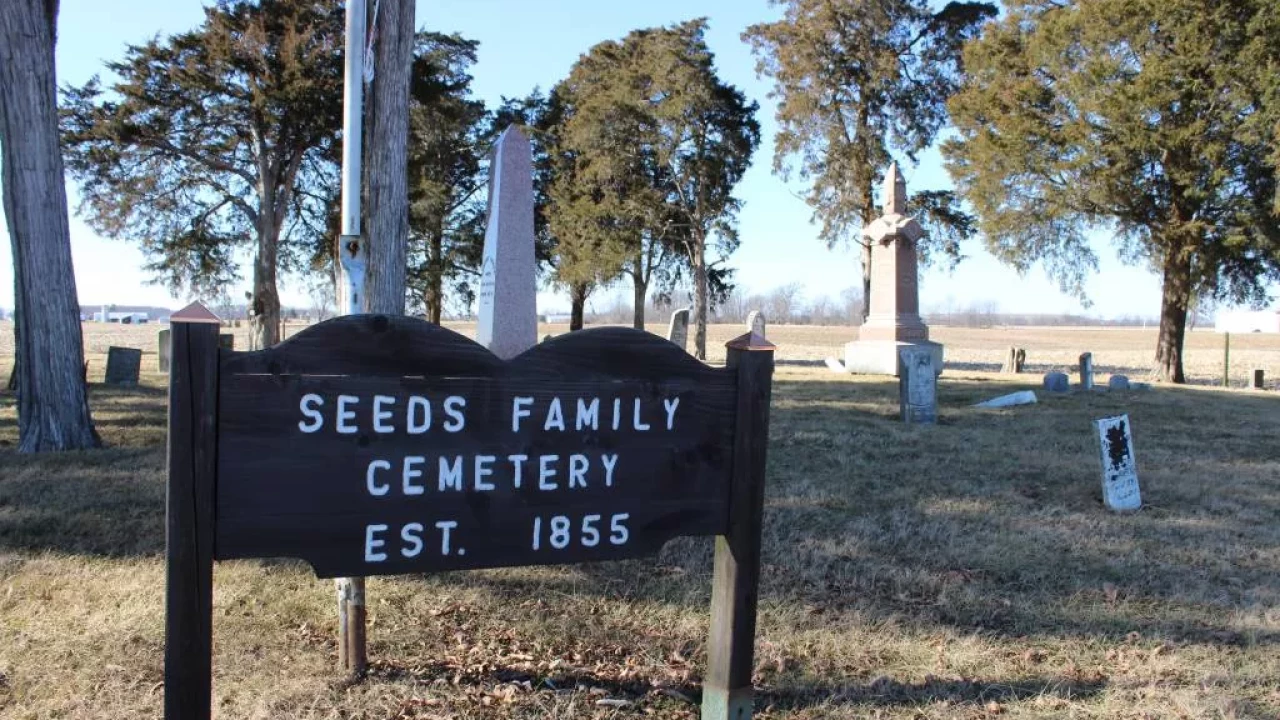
x=965 y=570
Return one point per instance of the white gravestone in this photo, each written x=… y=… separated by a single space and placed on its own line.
x=678 y=331
x=917 y=385
x=755 y=323
x=1119 y=470
x=508 y=291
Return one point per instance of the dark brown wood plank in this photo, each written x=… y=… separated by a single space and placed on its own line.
x=727 y=691
x=189 y=519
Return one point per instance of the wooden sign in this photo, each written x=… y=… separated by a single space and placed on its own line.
x=373 y=445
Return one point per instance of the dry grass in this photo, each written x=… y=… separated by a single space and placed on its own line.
x=966 y=570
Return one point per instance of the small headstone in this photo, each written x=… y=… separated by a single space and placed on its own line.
x=1139 y=386
x=547 y=337
x=678 y=331
x=227 y=341
x=123 y=365
x=755 y=323
x=1022 y=397
x=1014 y=360
x=1259 y=379
x=1119 y=470
x=1118 y=382
x=163 y=350
x=917 y=385
x=508 y=313
x=1086 y=371
x=1057 y=382
x=835 y=365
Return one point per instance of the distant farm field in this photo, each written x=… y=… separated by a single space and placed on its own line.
x=962 y=571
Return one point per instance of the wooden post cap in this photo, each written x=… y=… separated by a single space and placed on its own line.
x=194 y=313
x=750 y=341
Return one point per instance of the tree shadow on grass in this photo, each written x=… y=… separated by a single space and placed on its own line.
x=793 y=693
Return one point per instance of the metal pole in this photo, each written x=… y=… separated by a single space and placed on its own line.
x=351 y=253
x=1226 y=361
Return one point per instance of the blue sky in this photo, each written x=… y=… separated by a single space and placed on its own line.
x=528 y=43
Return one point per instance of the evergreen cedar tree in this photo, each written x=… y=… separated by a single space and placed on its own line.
x=856 y=82
x=230 y=135
x=1152 y=119
x=648 y=150
x=53 y=405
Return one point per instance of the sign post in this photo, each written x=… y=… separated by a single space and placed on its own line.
x=375 y=445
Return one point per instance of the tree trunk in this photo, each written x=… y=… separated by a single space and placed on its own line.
x=700 y=298
x=1174 y=302
x=578 y=293
x=264 y=308
x=640 y=290
x=53 y=403
x=387 y=151
x=435 y=275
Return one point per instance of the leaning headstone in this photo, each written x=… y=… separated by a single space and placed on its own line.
x=508 y=289
x=123 y=365
x=1119 y=471
x=1022 y=397
x=163 y=350
x=1118 y=382
x=755 y=323
x=917 y=385
x=678 y=331
x=1086 y=371
x=1259 y=379
x=227 y=341
x=1057 y=382
x=1014 y=360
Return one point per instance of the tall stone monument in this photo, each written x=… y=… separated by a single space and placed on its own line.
x=508 y=291
x=894 y=318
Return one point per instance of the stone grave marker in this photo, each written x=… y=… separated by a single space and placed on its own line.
x=1022 y=397
x=508 y=292
x=835 y=365
x=893 y=318
x=123 y=366
x=1086 y=371
x=227 y=341
x=678 y=330
x=163 y=350
x=917 y=385
x=755 y=323
x=1259 y=379
x=1119 y=471
x=1014 y=360
x=1118 y=382
x=1057 y=382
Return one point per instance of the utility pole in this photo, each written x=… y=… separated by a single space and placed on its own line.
x=352 y=254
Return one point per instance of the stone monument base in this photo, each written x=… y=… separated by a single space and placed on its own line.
x=880 y=357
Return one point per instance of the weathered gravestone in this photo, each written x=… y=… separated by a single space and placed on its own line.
x=1119 y=470
x=375 y=445
x=123 y=366
x=1086 y=371
x=1057 y=382
x=678 y=331
x=1259 y=379
x=1022 y=397
x=917 y=385
x=1118 y=382
x=756 y=323
x=1014 y=360
x=508 y=292
x=163 y=351
x=227 y=341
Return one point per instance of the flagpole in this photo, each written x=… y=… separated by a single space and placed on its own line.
x=352 y=656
